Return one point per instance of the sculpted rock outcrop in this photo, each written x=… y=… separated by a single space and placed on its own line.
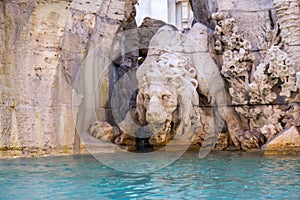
x=146 y=31
x=263 y=88
x=286 y=141
x=46 y=43
x=258 y=92
x=176 y=83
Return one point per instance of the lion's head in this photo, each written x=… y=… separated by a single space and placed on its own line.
x=167 y=98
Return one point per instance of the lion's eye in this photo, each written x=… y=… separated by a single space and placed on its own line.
x=166 y=97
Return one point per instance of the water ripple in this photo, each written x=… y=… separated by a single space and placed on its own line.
x=223 y=175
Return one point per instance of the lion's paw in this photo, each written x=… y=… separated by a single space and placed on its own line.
x=103 y=131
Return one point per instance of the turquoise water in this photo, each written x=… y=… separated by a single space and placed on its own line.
x=222 y=175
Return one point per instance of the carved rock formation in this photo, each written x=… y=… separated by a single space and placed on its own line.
x=203 y=10
x=288 y=17
x=171 y=81
x=161 y=84
x=146 y=31
x=258 y=92
x=286 y=141
x=46 y=43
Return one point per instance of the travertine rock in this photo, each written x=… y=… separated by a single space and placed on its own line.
x=43 y=44
x=30 y=71
x=288 y=18
x=146 y=31
x=46 y=43
x=202 y=11
x=254 y=88
x=244 y=5
x=127 y=140
x=287 y=140
x=222 y=143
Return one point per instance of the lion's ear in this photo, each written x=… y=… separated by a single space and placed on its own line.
x=141 y=110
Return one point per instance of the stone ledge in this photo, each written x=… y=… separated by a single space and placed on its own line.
x=34 y=152
x=286 y=142
x=282 y=152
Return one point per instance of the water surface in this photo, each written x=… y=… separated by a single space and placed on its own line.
x=222 y=175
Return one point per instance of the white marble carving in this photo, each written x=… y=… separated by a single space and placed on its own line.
x=255 y=89
x=168 y=94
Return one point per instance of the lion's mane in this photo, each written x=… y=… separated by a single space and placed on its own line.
x=176 y=72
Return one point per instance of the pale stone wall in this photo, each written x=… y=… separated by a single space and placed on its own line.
x=43 y=43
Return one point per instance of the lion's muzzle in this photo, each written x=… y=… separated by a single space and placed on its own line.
x=156 y=113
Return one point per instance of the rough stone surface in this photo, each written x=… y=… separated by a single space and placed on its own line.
x=43 y=44
x=260 y=85
x=46 y=43
x=222 y=143
x=288 y=17
x=285 y=141
x=244 y=5
x=146 y=31
x=203 y=10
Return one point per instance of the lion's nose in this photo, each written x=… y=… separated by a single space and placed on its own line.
x=156 y=116
x=156 y=112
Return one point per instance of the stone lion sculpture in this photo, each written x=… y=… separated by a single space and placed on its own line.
x=168 y=100
x=180 y=93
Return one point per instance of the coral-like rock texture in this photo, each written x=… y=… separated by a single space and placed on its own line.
x=263 y=88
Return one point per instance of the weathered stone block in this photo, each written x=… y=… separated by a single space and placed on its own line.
x=287 y=140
